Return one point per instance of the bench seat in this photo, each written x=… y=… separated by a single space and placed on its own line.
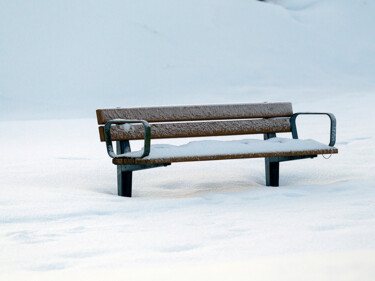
x=233 y=149
x=124 y=125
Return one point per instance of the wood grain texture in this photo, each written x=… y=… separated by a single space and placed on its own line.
x=200 y=129
x=196 y=112
x=124 y=161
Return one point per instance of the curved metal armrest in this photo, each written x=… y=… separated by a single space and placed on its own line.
x=108 y=139
x=332 y=139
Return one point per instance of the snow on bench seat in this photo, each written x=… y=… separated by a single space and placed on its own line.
x=235 y=149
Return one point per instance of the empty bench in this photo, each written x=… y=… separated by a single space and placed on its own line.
x=145 y=123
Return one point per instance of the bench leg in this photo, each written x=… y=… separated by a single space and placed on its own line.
x=124 y=178
x=272 y=173
x=272 y=168
x=124 y=182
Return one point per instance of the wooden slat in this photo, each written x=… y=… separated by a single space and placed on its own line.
x=122 y=161
x=197 y=112
x=201 y=129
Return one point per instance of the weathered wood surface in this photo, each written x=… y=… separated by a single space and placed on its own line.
x=198 y=112
x=200 y=129
x=122 y=161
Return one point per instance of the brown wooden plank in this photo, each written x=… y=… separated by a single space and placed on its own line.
x=122 y=161
x=201 y=129
x=196 y=112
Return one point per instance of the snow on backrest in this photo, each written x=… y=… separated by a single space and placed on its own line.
x=197 y=112
x=201 y=128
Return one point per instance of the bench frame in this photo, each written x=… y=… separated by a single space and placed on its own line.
x=125 y=172
x=127 y=163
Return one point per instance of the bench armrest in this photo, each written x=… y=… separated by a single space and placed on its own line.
x=332 y=139
x=108 y=139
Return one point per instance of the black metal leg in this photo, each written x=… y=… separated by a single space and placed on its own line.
x=272 y=173
x=124 y=178
x=272 y=168
x=124 y=182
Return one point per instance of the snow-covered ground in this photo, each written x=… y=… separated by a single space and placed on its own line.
x=60 y=217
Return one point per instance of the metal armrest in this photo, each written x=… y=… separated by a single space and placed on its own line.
x=332 y=140
x=108 y=139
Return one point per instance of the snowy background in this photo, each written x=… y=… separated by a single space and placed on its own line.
x=60 y=217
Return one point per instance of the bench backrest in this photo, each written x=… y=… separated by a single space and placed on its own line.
x=199 y=121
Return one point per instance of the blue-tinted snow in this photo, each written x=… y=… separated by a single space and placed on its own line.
x=60 y=217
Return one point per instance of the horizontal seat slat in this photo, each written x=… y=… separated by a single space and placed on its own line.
x=200 y=129
x=236 y=149
x=194 y=113
x=124 y=161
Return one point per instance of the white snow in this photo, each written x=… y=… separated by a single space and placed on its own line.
x=60 y=217
x=233 y=147
x=126 y=127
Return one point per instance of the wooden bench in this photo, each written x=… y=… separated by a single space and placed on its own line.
x=146 y=123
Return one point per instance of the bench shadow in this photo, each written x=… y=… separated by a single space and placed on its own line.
x=178 y=189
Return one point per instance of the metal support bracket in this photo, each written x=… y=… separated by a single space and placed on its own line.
x=289 y=158
x=108 y=139
x=332 y=138
x=136 y=167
